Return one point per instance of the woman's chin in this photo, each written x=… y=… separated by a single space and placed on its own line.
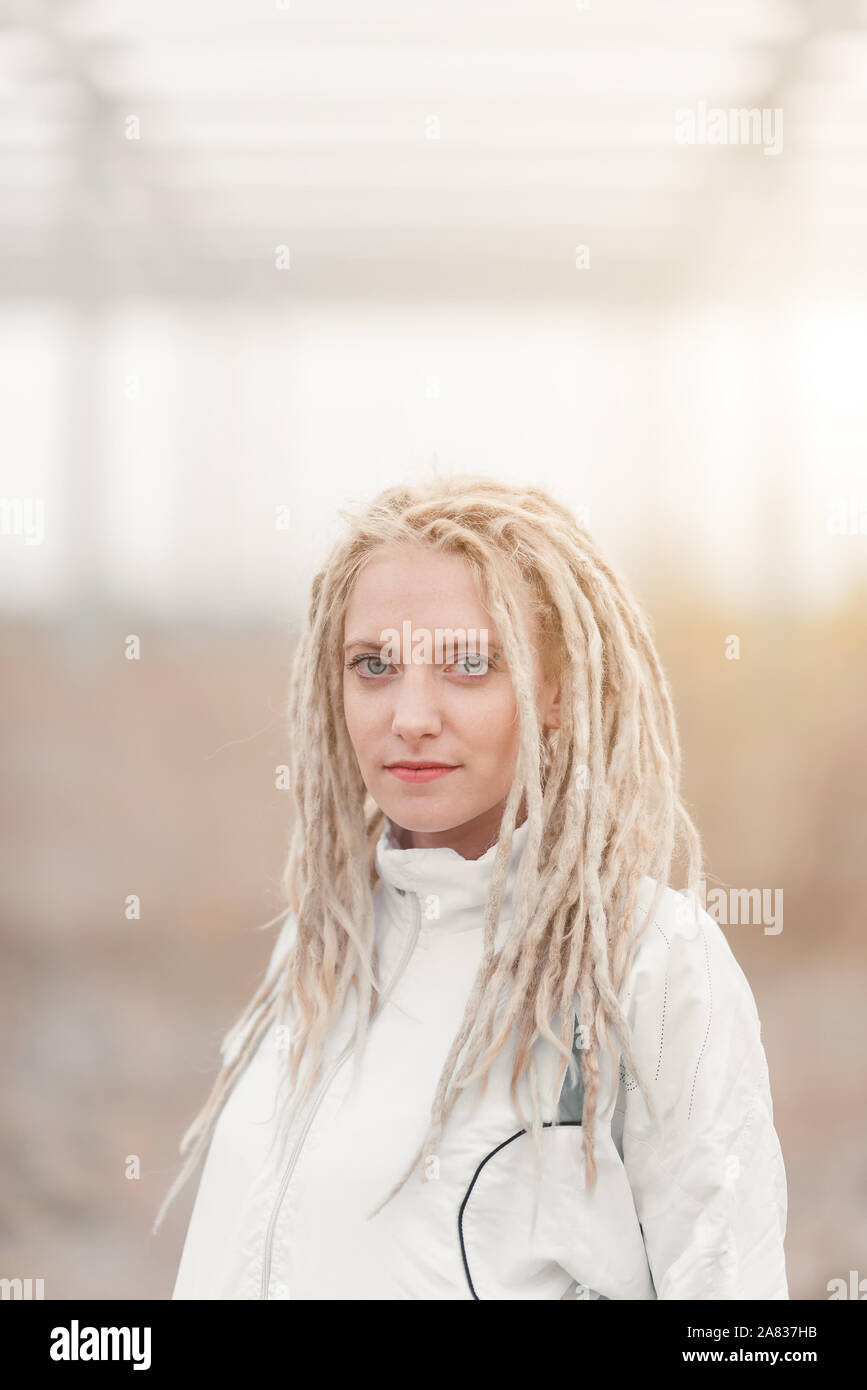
x=428 y=819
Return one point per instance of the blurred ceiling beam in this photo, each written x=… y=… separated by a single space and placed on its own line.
x=315 y=139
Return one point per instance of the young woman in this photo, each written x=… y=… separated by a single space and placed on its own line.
x=494 y=1054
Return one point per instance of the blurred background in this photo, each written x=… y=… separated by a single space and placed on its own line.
x=260 y=260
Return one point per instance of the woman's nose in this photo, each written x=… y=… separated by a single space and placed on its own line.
x=416 y=708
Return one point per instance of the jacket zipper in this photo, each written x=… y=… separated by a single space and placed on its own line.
x=319 y=1096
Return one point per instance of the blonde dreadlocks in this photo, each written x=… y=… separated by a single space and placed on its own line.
x=601 y=792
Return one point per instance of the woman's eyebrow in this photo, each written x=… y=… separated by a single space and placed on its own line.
x=376 y=642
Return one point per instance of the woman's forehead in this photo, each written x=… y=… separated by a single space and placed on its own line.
x=420 y=582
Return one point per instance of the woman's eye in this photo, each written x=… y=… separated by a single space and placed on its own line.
x=377 y=660
x=475 y=665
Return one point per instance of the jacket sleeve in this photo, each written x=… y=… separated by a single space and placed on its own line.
x=708 y=1180
x=219 y=1249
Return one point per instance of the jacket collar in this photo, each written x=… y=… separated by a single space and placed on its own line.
x=453 y=891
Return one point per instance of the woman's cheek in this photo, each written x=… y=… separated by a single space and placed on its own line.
x=495 y=735
x=358 y=729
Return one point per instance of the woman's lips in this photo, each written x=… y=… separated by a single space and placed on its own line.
x=419 y=774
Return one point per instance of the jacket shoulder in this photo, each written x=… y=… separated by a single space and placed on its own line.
x=680 y=940
x=689 y=1005
x=707 y=1173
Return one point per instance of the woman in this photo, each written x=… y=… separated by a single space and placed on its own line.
x=494 y=1054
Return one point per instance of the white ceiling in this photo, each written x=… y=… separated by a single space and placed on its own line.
x=304 y=125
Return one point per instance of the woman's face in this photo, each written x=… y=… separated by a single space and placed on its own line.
x=461 y=712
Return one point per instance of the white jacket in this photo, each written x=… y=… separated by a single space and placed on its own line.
x=696 y=1210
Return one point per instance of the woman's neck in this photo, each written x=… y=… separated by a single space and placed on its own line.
x=471 y=840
